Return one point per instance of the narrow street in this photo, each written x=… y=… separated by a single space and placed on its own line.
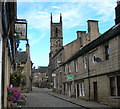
x=39 y=97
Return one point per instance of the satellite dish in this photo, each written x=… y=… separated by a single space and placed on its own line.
x=20 y=49
x=98 y=60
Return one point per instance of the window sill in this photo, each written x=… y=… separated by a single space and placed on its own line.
x=114 y=97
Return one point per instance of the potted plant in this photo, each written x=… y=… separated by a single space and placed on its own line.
x=13 y=94
x=17 y=77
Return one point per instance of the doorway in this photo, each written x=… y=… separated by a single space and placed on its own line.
x=64 y=89
x=77 y=90
x=95 y=91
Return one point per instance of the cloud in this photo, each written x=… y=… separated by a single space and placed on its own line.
x=73 y=15
x=39 y=20
x=34 y=40
x=59 y=0
x=55 y=7
x=104 y=9
x=40 y=60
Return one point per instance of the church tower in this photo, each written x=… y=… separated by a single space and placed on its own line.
x=56 y=38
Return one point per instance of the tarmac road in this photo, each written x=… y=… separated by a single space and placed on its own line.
x=39 y=97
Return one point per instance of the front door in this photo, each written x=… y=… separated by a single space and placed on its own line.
x=95 y=91
x=64 y=89
x=69 y=89
x=77 y=90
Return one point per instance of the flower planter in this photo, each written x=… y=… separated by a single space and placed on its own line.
x=20 y=102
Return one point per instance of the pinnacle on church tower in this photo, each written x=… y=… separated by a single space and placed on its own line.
x=60 y=18
x=51 y=17
x=118 y=2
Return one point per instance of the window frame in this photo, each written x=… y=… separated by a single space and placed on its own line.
x=107 y=52
x=76 y=65
x=117 y=88
x=93 y=59
x=69 y=67
x=85 y=62
x=65 y=69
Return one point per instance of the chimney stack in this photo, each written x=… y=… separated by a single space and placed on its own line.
x=117 y=13
x=82 y=37
x=28 y=51
x=93 y=30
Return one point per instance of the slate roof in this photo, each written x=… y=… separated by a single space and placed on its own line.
x=35 y=70
x=42 y=69
x=22 y=57
x=111 y=33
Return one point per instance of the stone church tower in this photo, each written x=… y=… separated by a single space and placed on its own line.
x=56 y=38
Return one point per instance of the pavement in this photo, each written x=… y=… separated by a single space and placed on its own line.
x=79 y=102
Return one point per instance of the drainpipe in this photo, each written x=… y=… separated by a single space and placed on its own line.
x=88 y=76
x=3 y=70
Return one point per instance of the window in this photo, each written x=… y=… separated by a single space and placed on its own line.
x=58 y=81
x=93 y=58
x=112 y=86
x=61 y=57
x=65 y=69
x=118 y=85
x=115 y=86
x=85 y=61
x=57 y=62
x=106 y=52
x=76 y=65
x=69 y=69
x=56 y=32
x=81 y=89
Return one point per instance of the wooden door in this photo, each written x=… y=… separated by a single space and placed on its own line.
x=95 y=91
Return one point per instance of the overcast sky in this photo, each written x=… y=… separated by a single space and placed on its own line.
x=74 y=14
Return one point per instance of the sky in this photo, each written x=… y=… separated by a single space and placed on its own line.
x=75 y=14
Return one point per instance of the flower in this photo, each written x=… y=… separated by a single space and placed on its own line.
x=13 y=94
x=16 y=77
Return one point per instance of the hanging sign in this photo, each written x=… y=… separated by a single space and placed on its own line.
x=70 y=77
x=21 y=30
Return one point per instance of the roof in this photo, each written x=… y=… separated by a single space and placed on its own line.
x=22 y=57
x=58 y=52
x=42 y=69
x=111 y=33
x=34 y=70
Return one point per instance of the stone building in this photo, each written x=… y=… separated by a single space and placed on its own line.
x=34 y=77
x=91 y=70
x=40 y=76
x=8 y=15
x=23 y=58
x=56 y=43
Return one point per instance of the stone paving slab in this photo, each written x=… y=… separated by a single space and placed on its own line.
x=77 y=101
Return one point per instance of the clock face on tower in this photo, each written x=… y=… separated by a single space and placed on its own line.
x=57 y=42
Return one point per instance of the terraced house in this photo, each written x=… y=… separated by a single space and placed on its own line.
x=8 y=16
x=89 y=67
